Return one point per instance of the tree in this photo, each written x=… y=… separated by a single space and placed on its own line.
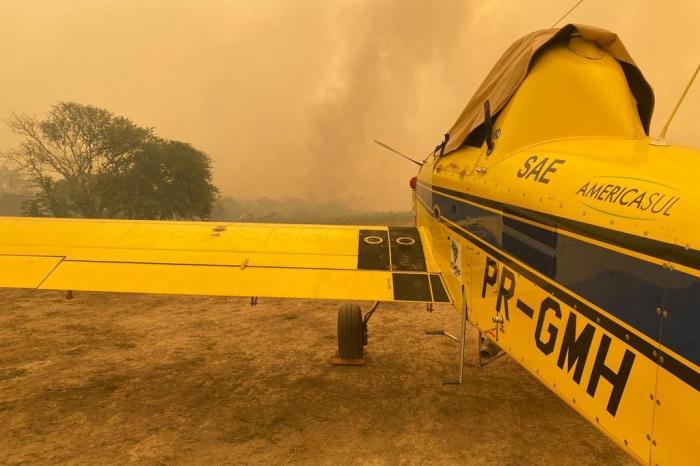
x=12 y=182
x=63 y=153
x=14 y=191
x=163 y=180
x=84 y=161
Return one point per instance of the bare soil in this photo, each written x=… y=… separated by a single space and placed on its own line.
x=113 y=379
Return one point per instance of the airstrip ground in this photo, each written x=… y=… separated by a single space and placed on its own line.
x=112 y=379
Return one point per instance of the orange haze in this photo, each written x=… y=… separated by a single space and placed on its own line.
x=286 y=96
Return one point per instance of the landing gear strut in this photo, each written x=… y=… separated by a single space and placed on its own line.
x=462 y=339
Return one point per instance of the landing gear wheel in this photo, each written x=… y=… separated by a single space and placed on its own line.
x=351 y=331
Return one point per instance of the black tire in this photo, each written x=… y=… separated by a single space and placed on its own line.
x=350 y=330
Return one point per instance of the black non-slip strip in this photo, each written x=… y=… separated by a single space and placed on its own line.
x=373 y=250
x=406 y=250
x=411 y=287
x=439 y=292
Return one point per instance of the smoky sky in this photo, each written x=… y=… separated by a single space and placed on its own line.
x=286 y=96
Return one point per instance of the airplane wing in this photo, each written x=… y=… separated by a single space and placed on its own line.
x=227 y=259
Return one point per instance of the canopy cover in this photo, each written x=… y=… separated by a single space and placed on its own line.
x=512 y=68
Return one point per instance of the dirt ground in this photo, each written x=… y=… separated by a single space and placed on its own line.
x=112 y=379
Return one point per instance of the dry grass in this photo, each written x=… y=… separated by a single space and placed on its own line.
x=109 y=378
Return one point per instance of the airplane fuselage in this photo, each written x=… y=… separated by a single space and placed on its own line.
x=578 y=255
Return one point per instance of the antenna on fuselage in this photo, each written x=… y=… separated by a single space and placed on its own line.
x=420 y=164
x=566 y=14
x=661 y=139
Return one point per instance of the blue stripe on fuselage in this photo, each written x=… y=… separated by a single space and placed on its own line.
x=627 y=287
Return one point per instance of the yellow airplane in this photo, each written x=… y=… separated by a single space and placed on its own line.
x=547 y=217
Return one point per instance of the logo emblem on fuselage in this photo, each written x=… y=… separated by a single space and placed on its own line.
x=628 y=197
x=456 y=258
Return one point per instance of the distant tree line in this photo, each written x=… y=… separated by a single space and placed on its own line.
x=14 y=191
x=295 y=210
x=84 y=161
